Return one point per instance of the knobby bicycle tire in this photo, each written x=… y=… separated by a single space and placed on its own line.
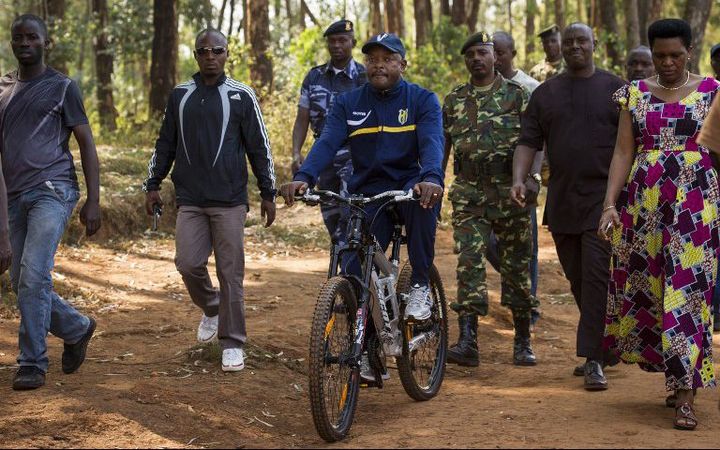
x=335 y=309
x=407 y=364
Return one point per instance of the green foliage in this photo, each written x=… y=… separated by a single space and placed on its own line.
x=238 y=63
x=306 y=51
x=438 y=65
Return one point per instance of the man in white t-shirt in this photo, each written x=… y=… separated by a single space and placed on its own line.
x=504 y=56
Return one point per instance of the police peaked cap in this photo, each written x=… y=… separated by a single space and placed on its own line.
x=341 y=26
x=481 y=38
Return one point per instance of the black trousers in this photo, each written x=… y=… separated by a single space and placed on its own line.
x=585 y=259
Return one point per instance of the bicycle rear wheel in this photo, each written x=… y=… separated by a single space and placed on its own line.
x=422 y=365
x=334 y=385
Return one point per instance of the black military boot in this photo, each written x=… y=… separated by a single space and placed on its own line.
x=465 y=352
x=523 y=354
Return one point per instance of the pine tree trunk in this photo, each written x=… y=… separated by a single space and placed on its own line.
x=57 y=57
x=104 y=67
x=648 y=12
x=697 y=13
x=376 y=18
x=445 y=7
x=261 y=71
x=560 y=14
x=164 y=54
x=394 y=17
x=510 y=17
x=244 y=22
x=421 y=22
x=610 y=25
x=288 y=14
x=83 y=44
x=632 y=24
x=429 y=9
x=458 y=12
x=221 y=17
x=530 y=13
x=473 y=15
x=232 y=18
x=580 y=8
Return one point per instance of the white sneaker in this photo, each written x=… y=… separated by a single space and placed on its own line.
x=419 y=305
x=233 y=360
x=207 y=330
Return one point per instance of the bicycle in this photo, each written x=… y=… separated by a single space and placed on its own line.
x=341 y=332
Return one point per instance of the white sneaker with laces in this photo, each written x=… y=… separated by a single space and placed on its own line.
x=233 y=360
x=207 y=330
x=419 y=305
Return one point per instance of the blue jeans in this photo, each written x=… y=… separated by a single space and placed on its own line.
x=38 y=218
x=494 y=259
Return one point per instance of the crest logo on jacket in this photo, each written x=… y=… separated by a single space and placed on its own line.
x=402 y=116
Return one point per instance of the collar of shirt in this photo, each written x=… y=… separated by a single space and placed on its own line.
x=199 y=80
x=485 y=90
x=350 y=69
x=388 y=93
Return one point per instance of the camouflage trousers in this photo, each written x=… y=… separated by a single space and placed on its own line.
x=335 y=178
x=471 y=233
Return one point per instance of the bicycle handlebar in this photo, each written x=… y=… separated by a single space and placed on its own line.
x=314 y=197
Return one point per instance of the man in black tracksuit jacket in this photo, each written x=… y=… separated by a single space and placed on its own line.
x=212 y=123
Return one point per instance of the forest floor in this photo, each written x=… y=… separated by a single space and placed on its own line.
x=147 y=384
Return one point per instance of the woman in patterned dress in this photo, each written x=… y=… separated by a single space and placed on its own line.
x=662 y=206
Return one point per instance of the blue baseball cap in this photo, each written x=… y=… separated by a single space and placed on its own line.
x=386 y=40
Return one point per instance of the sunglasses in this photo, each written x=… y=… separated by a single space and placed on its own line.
x=202 y=51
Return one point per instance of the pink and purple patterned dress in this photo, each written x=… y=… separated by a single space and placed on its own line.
x=664 y=258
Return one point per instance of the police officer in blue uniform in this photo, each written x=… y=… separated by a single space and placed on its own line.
x=319 y=89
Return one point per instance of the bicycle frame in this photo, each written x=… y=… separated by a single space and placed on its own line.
x=370 y=254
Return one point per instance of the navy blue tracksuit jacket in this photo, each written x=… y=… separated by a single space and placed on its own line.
x=396 y=140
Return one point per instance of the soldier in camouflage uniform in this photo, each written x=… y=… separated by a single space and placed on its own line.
x=482 y=125
x=553 y=63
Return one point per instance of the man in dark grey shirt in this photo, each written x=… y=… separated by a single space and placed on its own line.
x=39 y=109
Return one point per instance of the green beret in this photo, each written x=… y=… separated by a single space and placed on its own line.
x=480 y=38
x=552 y=29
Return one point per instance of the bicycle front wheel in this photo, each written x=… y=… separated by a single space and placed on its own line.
x=334 y=385
x=422 y=364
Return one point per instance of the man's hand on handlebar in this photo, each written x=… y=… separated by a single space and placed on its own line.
x=291 y=189
x=430 y=193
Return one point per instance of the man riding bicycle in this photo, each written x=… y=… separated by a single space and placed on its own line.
x=394 y=130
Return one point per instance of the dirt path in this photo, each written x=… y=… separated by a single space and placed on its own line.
x=146 y=385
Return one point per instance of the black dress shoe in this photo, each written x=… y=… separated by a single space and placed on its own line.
x=579 y=370
x=594 y=377
x=28 y=377
x=74 y=354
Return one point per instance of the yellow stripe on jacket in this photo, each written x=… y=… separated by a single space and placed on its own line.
x=382 y=128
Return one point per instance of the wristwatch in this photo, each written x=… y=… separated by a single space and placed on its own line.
x=537 y=177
